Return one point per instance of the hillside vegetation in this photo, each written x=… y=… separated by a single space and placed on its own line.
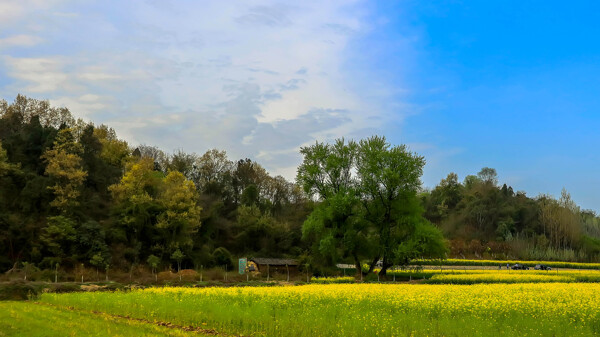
x=72 y=194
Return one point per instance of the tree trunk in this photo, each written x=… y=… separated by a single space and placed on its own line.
x=373 y=264
x=386 y=264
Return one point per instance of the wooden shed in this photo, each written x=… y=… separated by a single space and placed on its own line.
x=273 y=266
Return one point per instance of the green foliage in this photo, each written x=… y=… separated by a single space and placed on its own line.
x=64 y=168
x=369 y=206
x=349 y=309
x=177 y=256
x=425 y=242
x=97 y=260
x=180 y=216
x=30 y=319
x=153 y=262
x=222 y=257
x=59 y=235
x=71 y=191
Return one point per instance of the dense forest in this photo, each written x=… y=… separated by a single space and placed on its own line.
x=73 y=193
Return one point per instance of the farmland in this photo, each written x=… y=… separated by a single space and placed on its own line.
x=495 y=263
x=561 y=309
x=472 y=276
x=449 y=301
x=29 y=319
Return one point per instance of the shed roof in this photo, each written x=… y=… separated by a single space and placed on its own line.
x=274 y=262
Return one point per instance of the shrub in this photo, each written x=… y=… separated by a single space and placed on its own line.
x=18 y=291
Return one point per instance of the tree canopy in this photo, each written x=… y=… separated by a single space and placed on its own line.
x=369 y=207
x=72 y=193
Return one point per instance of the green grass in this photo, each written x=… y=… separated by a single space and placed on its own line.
x=496 y=263
x=475 y=276
x=31 y=319
x=521 y=310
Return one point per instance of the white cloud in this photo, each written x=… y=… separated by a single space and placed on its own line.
x=21 y=40
x=15 y=12
x=258 y=79
x=38 y=75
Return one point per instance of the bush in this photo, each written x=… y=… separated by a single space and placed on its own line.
x=222 y=257
x=18 y=291
x=64 y=288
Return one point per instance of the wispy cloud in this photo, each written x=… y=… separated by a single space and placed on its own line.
x=21 y=40
x=257 y=79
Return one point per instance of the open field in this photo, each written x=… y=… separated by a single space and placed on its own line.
x=496 y=263
x=471 y=276
x=31 y=319
x=550 y=309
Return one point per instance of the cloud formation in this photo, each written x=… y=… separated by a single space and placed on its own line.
x=258 y=79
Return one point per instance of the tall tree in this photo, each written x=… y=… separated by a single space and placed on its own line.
x=213 y=172
x=388 y=178
x=136 y=203
x=64 y=167
x=369 y=207
x=181 y=214
x=335 y=227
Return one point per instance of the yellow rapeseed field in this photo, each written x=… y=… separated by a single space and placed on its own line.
x=522 y=309
x=327 y=280
x=469 y=262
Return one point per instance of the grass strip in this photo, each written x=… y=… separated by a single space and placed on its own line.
x=31 y=319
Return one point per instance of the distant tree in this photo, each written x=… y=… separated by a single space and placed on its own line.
x=178 y=256
x=136 y=202
x=222 y=257
x=250 y=196
x=64 y=167
x=181 y=215
x=114 y=151
x=97 y=261
x=59 y=236
x=153 y=261
x=213 y=172
x=5 y=166
x=90 y=239
x=159 y=158
x=182 y=162
x=488 y=175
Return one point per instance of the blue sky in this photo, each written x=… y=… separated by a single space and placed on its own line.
x=506 y=84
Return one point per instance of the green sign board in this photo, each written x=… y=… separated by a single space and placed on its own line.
x=242 y=266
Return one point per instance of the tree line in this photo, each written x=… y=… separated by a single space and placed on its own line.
x=481 y=217
x=73 y=193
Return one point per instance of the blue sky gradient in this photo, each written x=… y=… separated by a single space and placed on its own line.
x=511 y=85
x=506 y=84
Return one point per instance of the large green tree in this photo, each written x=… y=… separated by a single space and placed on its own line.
x=388 y=179
x=368 y=203
x=335 y=228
